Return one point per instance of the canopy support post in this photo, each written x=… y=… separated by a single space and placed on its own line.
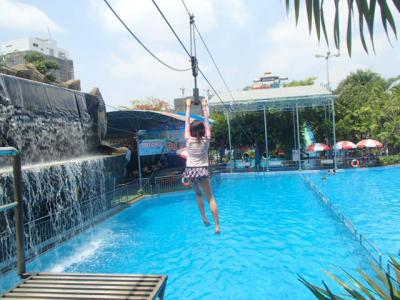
x=334 y=133
x=294 y=129
x=138 y=159
x=230 y=141
x=266 y=137
x=298 y=135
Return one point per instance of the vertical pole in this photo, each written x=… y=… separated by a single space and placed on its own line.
x=19 y=214
x=327 y=71
x=298 y=135
x=266 y=137
x=230 y=140
x=294 y=130
x=334 y=133
x=138 y=158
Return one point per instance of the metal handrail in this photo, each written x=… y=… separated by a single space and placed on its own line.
x=19 y=214
x=347 y=222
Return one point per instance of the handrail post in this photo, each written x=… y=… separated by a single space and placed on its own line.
x=19 y=214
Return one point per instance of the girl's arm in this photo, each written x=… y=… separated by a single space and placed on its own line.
x=206 y=122
x=187 y=118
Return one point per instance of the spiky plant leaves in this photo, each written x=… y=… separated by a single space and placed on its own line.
x=381 y=286
x=347 y=287
x=375 y=285
x=349 y=20
x=323 y=23
x=366 y=13
x=318 y=292
x=309 y=6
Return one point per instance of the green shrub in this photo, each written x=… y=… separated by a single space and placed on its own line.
x=389 y=160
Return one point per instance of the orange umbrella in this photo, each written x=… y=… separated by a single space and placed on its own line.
x=369 y=143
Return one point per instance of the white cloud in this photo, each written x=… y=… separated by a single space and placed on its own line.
x=19 y=16
x=145 y=21
x=291 y=50
x=144 y=76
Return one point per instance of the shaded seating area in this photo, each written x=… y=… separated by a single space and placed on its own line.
x=269 y=101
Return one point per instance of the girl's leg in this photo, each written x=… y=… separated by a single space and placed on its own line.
x=200 y=202
x=206 y=186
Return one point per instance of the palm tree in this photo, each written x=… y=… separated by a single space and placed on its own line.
x=366 y=16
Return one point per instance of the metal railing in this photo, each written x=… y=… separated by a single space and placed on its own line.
x=169 y=183
x=371 y=249
x=46 y=232
x=17 y=206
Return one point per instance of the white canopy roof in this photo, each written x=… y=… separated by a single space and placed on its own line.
x=278 y=98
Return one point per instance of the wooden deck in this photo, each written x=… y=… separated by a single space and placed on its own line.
x=88 y=286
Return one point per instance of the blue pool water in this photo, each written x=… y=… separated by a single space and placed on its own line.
x=370 y=198
x=274 y=228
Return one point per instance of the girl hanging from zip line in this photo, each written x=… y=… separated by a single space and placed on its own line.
x=197 y=136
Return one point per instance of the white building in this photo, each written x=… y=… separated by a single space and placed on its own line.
x=46 y=46
x=14 y=52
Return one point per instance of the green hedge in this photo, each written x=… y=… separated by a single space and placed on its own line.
x=389 y=160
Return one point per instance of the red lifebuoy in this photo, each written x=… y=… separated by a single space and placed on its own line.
x=185 y=181
x=355 y=163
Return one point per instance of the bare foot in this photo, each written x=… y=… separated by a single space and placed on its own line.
x=206 y=223
x=217 y=230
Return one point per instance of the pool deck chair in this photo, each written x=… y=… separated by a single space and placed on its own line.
x=89 y=286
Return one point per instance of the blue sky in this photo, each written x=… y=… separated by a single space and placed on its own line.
x=246 y=38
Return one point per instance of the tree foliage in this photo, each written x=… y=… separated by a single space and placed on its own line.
x=366 y=11
x=308 y=81
x=150 y=103
x=366 y=109
x=42 y=64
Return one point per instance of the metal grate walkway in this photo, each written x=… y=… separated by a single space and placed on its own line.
x=89 y=286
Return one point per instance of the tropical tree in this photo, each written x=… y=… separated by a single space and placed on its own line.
x=42 y=64
x=149 y=103
x=366 y=109
x=366 y=16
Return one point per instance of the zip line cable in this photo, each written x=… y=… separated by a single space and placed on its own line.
x=141 y=43
x=189 y=54
x=170 y=27
x=217 y=68
x=209 y=53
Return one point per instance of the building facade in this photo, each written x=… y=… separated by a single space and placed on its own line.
x=13 y=53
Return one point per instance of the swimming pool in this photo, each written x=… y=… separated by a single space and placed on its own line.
x=371 y=199
x=274 y=228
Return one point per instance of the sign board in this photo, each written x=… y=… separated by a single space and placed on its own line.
x=152 y=147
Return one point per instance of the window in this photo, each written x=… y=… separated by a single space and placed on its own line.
x=35 y=45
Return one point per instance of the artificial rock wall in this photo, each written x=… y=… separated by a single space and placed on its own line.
x=49 y=123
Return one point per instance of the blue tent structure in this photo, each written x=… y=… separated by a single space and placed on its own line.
x=196 y=117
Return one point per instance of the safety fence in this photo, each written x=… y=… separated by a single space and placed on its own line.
x=46 y=232
x=371 y=249
x=172 y=183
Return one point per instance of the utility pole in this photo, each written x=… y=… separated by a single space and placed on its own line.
x=326 y=57
x=183 y=91
x=207 y=90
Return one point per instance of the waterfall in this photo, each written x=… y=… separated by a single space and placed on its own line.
x=58 y=197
